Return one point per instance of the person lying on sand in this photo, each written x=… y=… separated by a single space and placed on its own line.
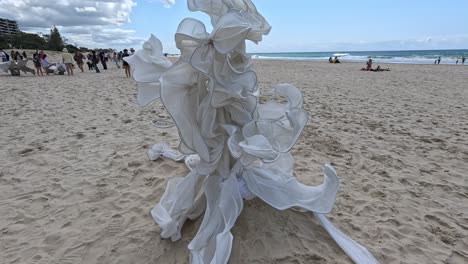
x=380 y=69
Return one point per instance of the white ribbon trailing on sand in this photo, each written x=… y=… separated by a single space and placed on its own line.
x=234 y=146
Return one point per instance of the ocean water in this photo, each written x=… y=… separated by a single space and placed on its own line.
x=395 y=56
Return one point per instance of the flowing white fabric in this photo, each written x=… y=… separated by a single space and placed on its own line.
x=5 y=66
x=354 y=250
x=16 y=66
x=148 y=64
x=163 y=151
x=234 y=146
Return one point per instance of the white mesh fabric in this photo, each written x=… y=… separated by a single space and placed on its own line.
x=241 y=148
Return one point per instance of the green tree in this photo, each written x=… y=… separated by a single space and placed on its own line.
x=71 y=48
x=28 y=41
x=4 y=43
x=55 y=41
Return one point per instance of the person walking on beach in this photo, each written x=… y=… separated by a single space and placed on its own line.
x=45 y=64
x=125 y=64
x=103 y=60
x=79 y=59
x=67 y=59
x=37 y=64
x=116 y=59
x=90 y=61
x=438 y=60
x=463 y=60
x=95 y=61
x=18 y=56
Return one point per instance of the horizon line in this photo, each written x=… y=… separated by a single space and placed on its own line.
x=359 y=50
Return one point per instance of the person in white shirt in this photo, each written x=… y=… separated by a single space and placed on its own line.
x=45 y=64
x=2 y=56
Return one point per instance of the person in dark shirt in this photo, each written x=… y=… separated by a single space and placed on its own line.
x=95 y=61
x=18 y=56
x=103 y=60
x=78 y=57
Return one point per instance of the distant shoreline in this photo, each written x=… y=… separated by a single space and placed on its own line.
x=323 y=60
x=391 y=57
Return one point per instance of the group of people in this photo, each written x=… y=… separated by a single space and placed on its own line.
x=462 y=60
x=14 y=55
x=42 y=64
x=437 y=61
x=103 y=57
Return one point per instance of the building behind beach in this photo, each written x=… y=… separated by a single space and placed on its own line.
x=8 y=27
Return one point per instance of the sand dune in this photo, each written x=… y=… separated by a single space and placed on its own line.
x=76 y=185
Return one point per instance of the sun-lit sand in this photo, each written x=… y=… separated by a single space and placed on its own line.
x=76 y=185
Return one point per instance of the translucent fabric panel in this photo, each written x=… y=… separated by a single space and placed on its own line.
x=4 y=66
x=149 y=63
x=213 y=242
x=179 y=95
x=282 y=133
x=148 y=92
x=217 y=8
x=283 y=191
x=180 y=201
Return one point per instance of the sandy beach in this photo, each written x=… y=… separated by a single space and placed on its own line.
x=76 y=185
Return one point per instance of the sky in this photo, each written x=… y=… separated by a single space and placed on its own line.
x=297 y=25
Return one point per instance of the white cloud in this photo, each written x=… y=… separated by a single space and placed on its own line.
x=84 y=22
x=168 y=3
x=86 y=9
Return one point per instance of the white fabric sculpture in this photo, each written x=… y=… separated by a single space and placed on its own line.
x=148 y=64
x=237 y=148
x=5 y=66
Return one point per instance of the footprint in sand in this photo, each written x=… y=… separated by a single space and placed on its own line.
x=115 y=226
x=72 y=256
